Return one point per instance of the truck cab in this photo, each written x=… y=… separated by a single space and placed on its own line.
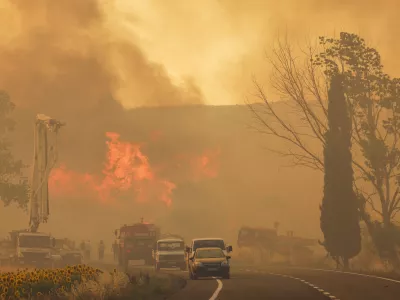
x=169 y=253
x=207 y=243
x=33 y=248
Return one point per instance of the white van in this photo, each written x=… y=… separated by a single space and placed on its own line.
x=169 y=253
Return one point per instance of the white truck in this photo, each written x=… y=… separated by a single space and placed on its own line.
x=169 y=253
x=32 y=249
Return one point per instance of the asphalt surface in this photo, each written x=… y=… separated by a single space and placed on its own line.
x=290 y=284
x=285 y=283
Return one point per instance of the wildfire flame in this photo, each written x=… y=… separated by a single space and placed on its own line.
x=127 y=172
x=206 y=165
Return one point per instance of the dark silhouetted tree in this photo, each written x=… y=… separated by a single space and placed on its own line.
x=339 y=210
x=374 y=101
x=13 y=189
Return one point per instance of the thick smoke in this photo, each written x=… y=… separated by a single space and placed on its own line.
x=72 y=54
x=223 y=43
x=62 y=56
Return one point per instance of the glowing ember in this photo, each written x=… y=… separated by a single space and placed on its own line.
x=206 y=165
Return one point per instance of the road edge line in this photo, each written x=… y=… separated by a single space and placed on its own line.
x=322 y=291
x=332 y=271
x=349 y=273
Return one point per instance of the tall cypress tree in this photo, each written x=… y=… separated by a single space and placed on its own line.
x=339 y=210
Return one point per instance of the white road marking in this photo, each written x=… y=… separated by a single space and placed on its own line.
x=219 y=288
x=309 y=284
x=350 y=273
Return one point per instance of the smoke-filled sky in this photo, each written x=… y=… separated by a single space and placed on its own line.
x=156 y=52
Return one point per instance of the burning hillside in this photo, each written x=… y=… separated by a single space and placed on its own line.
x=128 y=172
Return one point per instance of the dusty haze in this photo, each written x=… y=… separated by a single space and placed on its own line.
x=87 y=62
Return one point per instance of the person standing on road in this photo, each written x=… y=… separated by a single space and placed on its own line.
x=87 y=250
x=115 y=250
x=82 y=248
x=101 y=250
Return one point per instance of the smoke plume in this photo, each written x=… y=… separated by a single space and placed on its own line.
x=61 y=56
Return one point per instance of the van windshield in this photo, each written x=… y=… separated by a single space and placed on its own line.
x=209 y=244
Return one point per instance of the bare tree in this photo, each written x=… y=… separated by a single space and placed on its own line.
x=372 y=98
x=299 y=84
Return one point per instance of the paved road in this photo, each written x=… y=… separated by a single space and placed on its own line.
x=290 y=284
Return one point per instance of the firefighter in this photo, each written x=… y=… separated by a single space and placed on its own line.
x=87 y=250
x=115 y=250
x=101 y=250
x=82 y=246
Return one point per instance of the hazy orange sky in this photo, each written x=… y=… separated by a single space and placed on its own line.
x=204 y=50
x=219 y=43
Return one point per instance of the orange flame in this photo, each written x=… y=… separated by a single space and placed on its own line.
x=127 y=170
x=206 y=165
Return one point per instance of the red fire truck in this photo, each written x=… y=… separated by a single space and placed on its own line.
x=136 y=242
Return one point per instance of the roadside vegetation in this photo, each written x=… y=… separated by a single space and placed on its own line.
x=84 y=282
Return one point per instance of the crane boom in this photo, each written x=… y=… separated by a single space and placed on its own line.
x=45 y=157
